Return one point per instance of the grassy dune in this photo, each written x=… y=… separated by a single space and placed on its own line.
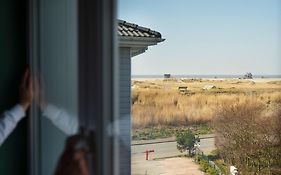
x=158 y=103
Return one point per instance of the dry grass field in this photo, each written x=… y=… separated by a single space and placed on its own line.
x=158 y=102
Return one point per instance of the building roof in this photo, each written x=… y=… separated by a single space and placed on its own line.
x=136 y=37
x=126 y=29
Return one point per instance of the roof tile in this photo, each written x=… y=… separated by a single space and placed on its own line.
x=133 y=30
x=124 y=33
x=130 y=33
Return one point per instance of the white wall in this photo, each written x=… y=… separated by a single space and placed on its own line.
x=125 y=111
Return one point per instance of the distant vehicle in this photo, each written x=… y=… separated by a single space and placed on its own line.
x=233 y=170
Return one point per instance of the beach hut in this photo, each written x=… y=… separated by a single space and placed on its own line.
x=167 y=76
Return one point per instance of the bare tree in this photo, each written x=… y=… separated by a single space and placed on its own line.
x=247 y=138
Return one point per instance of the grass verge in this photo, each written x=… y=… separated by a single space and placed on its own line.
x=205 y=166
x=165 y=132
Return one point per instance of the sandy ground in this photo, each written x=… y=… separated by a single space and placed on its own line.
x=180 y=166
x=169 y=166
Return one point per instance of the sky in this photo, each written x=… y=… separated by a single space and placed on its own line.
x=208 y=37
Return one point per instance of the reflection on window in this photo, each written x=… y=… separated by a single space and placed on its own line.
x=56 y=81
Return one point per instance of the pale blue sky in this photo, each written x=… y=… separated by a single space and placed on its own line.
x=208 y=36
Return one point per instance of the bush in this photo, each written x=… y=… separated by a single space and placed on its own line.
x=247 y=138
x=186 y=141
x=205 y=166
x=212 y=171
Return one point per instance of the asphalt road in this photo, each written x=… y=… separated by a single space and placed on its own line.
x=162 y=148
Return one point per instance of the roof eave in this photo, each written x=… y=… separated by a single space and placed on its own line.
x=138 y=51
x=126 y=41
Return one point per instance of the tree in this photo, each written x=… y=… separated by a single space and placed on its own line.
x=247 y=137
x=186 y=141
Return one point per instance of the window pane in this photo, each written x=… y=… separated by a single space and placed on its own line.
x=57 y=79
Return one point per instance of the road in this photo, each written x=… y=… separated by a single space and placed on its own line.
x=163 y=148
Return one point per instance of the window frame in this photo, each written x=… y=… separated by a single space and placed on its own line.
x=98 y=79
x=98 y=89
x=33 y=63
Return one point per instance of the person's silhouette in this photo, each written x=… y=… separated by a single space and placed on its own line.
x=10 y=118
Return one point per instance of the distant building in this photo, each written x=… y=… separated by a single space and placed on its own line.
x=248 y=75
x=167 y=75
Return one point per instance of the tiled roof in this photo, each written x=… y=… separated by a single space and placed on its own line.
x=126 y=29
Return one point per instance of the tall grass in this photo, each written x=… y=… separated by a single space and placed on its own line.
x=152 y=107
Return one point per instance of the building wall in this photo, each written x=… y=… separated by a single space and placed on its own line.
x=125 y=111
x=13 y=152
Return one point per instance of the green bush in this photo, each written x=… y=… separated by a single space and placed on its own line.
x=185 y=141
x=212 y=171
x=205 y=166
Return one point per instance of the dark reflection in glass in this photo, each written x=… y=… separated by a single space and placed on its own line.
x=56 y=87
x=56 y=82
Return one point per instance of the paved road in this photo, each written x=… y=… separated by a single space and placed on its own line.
x=162 y=148
x=207 y=145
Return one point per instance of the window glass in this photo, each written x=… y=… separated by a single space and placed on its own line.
x=207 y=99
x=56 y=81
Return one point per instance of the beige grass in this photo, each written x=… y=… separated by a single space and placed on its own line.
x=158 y=102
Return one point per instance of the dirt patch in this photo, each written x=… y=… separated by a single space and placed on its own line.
x=180 y=166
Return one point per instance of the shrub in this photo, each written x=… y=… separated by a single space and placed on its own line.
x=247 y=138
x=186 y=141
x=205 y=166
